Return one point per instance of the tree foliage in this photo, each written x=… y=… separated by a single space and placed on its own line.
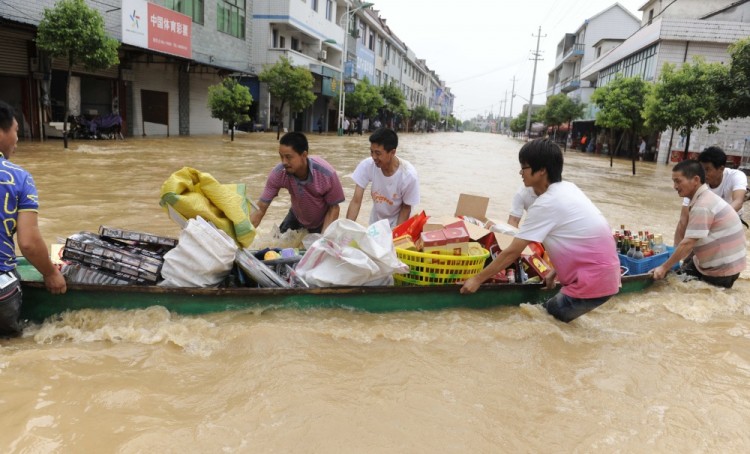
x=74 y=31
x=365 y=99
x=395 y=104
x=518 y=124
x=621 y=103
x=229 y=101
x=686 y=98
x=737 y=87
x=289 y=84
x=561 y=109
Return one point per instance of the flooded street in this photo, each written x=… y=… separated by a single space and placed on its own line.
x=666 y=370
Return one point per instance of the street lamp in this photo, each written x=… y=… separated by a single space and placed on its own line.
x=342 y=95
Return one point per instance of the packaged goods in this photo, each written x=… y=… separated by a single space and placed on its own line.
x=137 y=237
x=534 y=265
x=404 y=242
x=456 y=240
x=433 y=242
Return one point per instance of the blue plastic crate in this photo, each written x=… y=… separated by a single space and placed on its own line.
x=645 y=265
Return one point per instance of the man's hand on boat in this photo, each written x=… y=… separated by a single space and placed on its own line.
x=659 y=272
x=55 y=283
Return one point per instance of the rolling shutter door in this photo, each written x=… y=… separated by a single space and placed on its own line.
x=15 y=59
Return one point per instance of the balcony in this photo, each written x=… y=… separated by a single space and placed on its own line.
x=573 y=54
x=570 y=84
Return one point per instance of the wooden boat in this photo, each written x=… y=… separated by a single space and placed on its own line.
x=38 y=304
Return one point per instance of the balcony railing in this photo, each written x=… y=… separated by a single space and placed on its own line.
x=574 y=53
x=570 y=84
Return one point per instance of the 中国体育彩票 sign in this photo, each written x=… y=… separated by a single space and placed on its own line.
x=156 y=28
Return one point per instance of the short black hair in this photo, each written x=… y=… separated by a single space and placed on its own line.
x=6 y=116
x=296 y=140
x=714 y=155
x=543 y=154
x=386 y=137
x=690 y=168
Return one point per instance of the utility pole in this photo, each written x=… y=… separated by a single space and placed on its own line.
x=505 y=104
x=537 y=56
x=512 y=95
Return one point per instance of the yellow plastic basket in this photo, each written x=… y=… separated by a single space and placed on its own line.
x=437 y=269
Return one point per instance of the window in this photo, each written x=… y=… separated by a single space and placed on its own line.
x=314 y=4
x=230 y=17
x=380 y=46
x=282 y=42
x=275 y=34
x=295 y=44
x=192 y=8
x=362 y=33
x=329 y=10
x=650 y=16
x=371 y=40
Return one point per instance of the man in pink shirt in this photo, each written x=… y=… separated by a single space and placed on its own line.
x=312 y=183
x=575 y=234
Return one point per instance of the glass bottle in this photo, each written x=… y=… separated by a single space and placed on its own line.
x=631 y=248
x=638 y=254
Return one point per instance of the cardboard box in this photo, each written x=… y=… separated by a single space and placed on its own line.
x=433 y=242
x=457 y=240
x=404 y=242
x=474 y=207
x=535 y=266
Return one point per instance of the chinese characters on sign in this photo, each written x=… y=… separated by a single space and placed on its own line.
x=157 y=28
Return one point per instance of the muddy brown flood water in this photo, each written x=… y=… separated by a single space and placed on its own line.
x=666 y=370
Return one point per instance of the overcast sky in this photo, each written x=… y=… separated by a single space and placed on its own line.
x=478 y=46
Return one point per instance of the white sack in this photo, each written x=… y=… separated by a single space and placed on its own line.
x=349 y=254
x=203 y=257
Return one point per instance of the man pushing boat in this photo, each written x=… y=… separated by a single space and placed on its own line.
x=575 y=234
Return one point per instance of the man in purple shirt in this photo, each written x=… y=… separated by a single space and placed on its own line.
x=312 y=183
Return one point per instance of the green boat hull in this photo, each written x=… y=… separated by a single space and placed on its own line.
x=38 y=304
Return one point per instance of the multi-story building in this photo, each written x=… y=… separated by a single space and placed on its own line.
x=577 y=50
x=675 y=33
x=161 y=85
x=157 y=90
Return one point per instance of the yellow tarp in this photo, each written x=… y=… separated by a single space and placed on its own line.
x=194 y=193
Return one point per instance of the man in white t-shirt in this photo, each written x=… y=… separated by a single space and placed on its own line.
x=522 y=200
x=395 y=185
x=729 y=184
x=575 y=234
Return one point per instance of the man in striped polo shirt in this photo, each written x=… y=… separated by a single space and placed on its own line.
x=312 y=183
x=714 y=233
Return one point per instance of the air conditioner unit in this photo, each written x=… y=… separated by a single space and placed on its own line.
x=322 y=55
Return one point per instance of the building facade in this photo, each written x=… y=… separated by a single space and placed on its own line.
x=162 y=89
x=677 y=35
x=576 y=50
x=155 y=91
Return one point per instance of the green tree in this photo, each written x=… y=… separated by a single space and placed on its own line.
x=364 y=100
x=420 y=113
x=518 y=124
x=229 y=102
x=289 y=84
x=620 y=107
x=561 y=109
x=395 y=104
x=736 y=95
x=75 y=32
x=686 y=99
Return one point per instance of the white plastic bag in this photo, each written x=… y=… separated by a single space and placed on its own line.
x=349 y=254
x=203 y=257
